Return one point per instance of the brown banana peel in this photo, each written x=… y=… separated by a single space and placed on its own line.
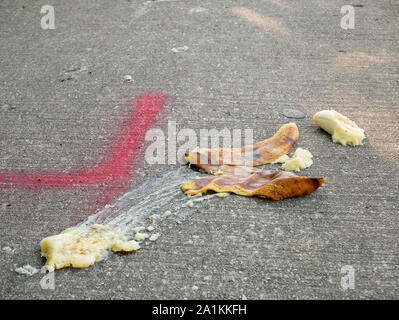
x=263 y=152
x=251 y=182
x=235 y=173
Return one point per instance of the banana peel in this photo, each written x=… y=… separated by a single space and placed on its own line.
x=235 y=173
x=263 y=152
x=251 y=182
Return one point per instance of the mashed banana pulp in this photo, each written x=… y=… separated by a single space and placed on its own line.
x=81 y=247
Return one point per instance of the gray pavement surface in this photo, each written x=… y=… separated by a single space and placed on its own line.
x=62 y=98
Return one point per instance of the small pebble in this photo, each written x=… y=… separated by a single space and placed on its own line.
x=293 y=113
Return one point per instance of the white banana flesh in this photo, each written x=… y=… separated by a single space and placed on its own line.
x=342 y=129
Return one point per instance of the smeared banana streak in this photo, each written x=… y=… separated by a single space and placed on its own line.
x=155 y=205
x=342 y=129
x=252 y=182
x=125 y=224
x=263 y=152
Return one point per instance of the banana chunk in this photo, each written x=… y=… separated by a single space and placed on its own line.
x=301 y=159
x=82 y=247
x=342 y=129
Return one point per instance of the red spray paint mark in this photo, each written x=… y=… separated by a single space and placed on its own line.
x=114 y=172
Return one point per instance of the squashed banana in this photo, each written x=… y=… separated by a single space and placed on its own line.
x=82 y=247
x=342 y=129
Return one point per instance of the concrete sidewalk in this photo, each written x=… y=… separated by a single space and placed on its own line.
x=63 y=100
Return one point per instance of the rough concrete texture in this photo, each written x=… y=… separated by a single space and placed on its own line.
x=63 y=98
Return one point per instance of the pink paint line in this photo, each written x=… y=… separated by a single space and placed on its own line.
x=117 y=164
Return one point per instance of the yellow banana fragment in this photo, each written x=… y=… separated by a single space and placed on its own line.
x=81 y=247
x=301 y=159
x=342 y=129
